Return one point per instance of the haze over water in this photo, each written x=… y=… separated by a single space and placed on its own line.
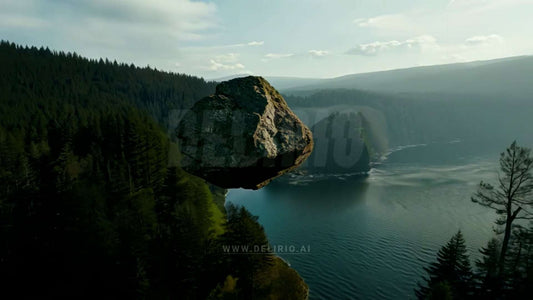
x=371 y=237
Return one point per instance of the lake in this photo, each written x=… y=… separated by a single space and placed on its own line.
x=370 y=237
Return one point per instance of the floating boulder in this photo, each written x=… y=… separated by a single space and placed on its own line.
x=244 y=135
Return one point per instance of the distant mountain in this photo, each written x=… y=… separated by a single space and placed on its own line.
x=508 y=77
x=283 y=83
x=230 y=77
x=278 y=82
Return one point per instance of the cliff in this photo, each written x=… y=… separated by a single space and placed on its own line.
x=339 y=145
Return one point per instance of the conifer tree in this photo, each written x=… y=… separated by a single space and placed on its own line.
x=512 y=198
x=487 y=270
x=248 y=236
x=452 y=268
x=519 y=264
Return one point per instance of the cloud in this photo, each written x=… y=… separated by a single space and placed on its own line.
x=254 y=43
x=373 y=48
x=250 y=44
x=120 y=20
x=227 y=61
x=181 y=15
x=421 y=43
x=239 y=45
x=484 y=40
x=278 y=55
x=217 y=66
x=394 y=22
x=227 y=58
x=318 y=53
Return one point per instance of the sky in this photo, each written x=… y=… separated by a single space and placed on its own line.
x=300 y=38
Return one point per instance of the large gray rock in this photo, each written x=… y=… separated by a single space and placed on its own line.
x=244 y=135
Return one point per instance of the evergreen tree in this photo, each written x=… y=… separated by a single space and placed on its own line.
x=244 y=232
x=487 y=271
x=519 y=264
x=440 y=291
x=451 y=268
x=511 y=198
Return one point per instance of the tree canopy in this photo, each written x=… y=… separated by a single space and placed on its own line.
x=92 y=203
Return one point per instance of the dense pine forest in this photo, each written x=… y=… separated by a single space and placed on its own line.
x=35 y=75
x=93 y=202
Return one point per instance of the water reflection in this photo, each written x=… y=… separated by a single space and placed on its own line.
x=329 y=195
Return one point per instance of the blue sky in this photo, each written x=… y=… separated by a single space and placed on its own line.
x=304 y=38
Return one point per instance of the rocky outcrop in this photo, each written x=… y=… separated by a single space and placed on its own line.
x=244 y=135
x=339 y=145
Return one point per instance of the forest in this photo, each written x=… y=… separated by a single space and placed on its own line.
x=414 y=118
x=93 y=202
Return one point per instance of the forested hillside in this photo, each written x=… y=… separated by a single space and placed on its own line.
x=403 y=119
x=41 y=74
x=90 y=206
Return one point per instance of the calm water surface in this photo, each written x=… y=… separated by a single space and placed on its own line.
x=371 y=237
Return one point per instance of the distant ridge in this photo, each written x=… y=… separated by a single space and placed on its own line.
x=229 y=77
x=510 y=77
x=279 y=82
x=467 y=64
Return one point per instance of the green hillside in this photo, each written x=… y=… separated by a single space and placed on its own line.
x=90 y=206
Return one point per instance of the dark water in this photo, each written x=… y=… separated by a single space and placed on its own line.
x=371 y=237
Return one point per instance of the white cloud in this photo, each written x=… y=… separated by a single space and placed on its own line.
x=422 y=42
x=373 y=48
x=255 y=43
x=484 y=40
x=217 y=66
x=227 y=58
x=278 y=55
x=239 y=45
x=227 y=61
x=318 y=53
x=251 y=44
x=394 y=22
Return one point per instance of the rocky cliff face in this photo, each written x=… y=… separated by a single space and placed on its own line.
x=339 y=145
x=244 y=135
